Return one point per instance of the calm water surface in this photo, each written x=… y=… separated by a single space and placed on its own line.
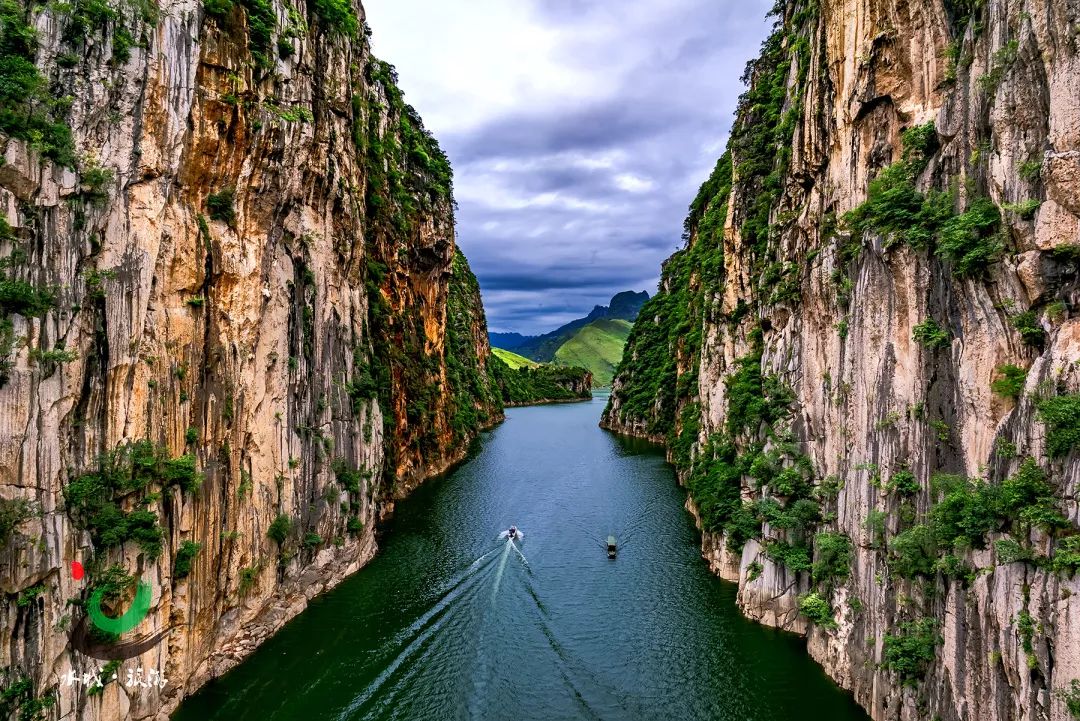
x=450 y=622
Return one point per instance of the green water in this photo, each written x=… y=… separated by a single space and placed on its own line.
x=448 y=622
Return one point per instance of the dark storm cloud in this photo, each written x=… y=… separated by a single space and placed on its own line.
x=579 y=131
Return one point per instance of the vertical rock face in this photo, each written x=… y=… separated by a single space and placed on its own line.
x=866 y=361
x=232 y=314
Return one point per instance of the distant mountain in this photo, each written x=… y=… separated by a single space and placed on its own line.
x=508 y=341
x=597 y=347
x=623 y=306
x=594 y=342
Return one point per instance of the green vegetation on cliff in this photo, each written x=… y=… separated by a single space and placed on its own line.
x=472 y=391
x=27 y=110
x=409 y=180
x=94 y=498
x=895 y=209
x=668 y=328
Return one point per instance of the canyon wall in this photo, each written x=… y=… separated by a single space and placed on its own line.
x=234 y=327
x=866 y=360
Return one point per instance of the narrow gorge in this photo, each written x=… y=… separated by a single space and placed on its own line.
x=242 y=354
x=866 y=360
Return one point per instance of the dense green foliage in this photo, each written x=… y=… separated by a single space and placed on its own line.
x=184 y=557
x=903 y=482
x=966 y=511
x=1071 y=696
x=472 y=393
x=94 y=498
x=1061 y=414
x=279 y=529
x=28 y=595
x=27 y=110
x=895 y=209
x=970 y=241
x=1010 y=381
x=754 y=399
x=832 y=557
x=1025 y=209
x=249 y=576
x=337 y=14
x=715 y=476
x=930 y=334
x=543 y=382
x=793 y=556
x=914 y=552
x=911 y=651
x=1000 y=62
x=348 y=478
x=17 y=297
x=261 y=22
x=405 y=168
x=218 y=8
x=222 y=205
x=17 y=698
x=816 y=608
x=1027 y=325
x=649 y=363
x=22 y=298
x=113 y=582
x=961 y=12
x=760 y=142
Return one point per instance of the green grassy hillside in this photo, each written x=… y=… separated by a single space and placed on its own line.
x=597 y=347
x=513 y=360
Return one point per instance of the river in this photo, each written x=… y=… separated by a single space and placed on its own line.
x=450 y=622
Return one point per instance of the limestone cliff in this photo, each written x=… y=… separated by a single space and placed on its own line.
x=866 y=360
x=233 y=327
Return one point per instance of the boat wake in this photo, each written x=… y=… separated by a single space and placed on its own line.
x=452 y=618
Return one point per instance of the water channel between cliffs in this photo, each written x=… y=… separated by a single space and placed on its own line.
x=448 y=622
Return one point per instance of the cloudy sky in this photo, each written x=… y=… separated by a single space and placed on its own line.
x=579 y=131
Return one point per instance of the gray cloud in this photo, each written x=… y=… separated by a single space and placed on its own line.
x=579 y=131
x=602 y=126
